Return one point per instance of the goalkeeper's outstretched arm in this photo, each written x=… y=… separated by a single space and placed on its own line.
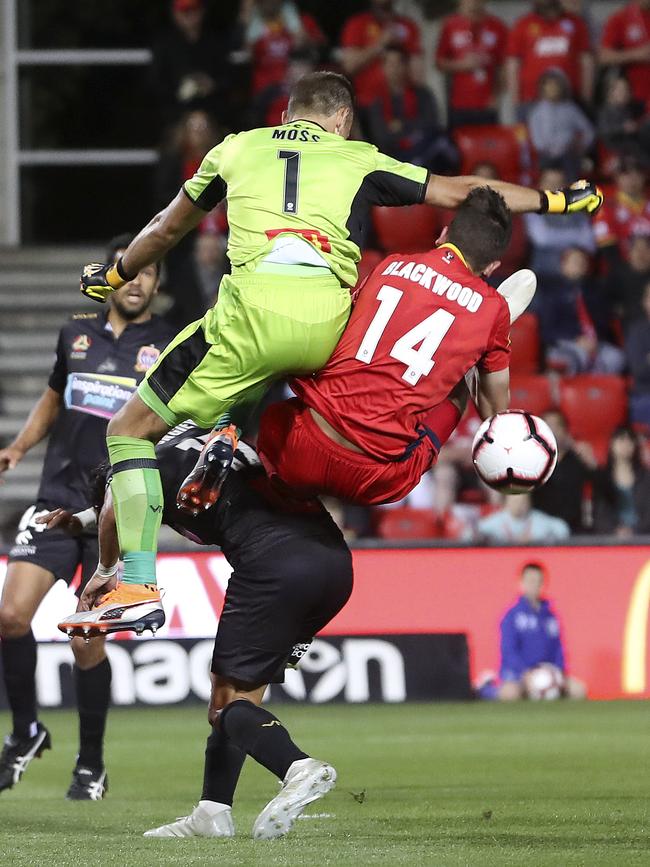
x=445 y=192
x=160 y=234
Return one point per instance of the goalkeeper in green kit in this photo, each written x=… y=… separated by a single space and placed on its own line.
x=297 y=198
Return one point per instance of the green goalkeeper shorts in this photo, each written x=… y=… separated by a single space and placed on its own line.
x=263 y=327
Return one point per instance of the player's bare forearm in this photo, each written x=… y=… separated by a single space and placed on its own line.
x=492 y=392
x=444 y=192
x=38 y=424
x=109 y=546
x=161 y=233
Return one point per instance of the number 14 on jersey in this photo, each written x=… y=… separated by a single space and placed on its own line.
x=429 y=333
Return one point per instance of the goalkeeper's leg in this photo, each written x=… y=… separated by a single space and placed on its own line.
x=136 y=487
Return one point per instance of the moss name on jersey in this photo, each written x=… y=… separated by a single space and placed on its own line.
x=299 y=179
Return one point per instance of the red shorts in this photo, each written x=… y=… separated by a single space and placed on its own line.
x=297 y=452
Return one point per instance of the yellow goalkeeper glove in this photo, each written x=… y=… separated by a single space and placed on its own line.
x=581 y=196
x=98 y=280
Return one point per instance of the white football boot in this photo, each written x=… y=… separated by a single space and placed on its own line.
x=208 y=819
x=519 y=290
x=306 y=781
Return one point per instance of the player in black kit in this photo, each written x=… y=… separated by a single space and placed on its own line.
x=100 y=359
x=292 y=573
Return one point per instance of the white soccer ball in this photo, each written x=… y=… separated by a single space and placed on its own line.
x=544 y=682
x=514 y=452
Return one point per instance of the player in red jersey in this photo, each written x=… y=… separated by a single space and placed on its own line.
x=373 y=420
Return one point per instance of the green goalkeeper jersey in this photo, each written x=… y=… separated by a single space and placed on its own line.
x=299 y=179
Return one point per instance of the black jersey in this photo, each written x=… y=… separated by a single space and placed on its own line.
x=244 y=519
x=95 y=374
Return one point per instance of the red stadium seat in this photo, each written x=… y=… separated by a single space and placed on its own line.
x=524 y=336
x=499 y=145
x=594 y=405
x=532 y=393
x=408 y=523
x=369 y=261
x=412 y=229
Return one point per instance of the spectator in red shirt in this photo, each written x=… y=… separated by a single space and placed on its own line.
x=403 y=122
x=626 y=212
x=548 y=38
x=626 y=42
x=471 y=50
x=273 y=101
x=363 y=41
x=273 y=29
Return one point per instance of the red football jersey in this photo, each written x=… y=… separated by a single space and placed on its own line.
x=630 y=28
x=363 y=30
x=461 y=36
x=541 y=44
x=271 y=51
x=420 y=323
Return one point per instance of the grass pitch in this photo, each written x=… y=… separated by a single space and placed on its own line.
x=474 y=784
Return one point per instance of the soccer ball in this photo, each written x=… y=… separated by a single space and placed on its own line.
x=544 y=682
x=514 y=452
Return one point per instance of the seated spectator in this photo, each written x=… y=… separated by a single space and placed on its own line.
x=403 y=121
x=569 y=311
x=622 y=489
x=530 y=636
x=550 y=235
x=562 y=496
x=558 y=129
x=626 y=43
x=182 y=152
x=272 y=102
x=637 y=351
x=626 y=282
x=619 y=118
x=626 y=211
x=363 y=41
x=517 y=523
x=190 y=64
x=548 y=38
x=273 y=29
x=470 y=51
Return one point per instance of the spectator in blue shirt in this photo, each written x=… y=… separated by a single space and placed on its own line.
x=530 y=635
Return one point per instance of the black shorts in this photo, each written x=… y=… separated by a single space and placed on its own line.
x=291 y=575
x=54 y=550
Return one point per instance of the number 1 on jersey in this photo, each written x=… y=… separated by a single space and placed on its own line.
x=291 y=174
x=429 y=333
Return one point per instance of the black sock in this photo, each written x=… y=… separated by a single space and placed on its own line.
x=223 y=764
x=93 y=700
x=261 y=735
x=19 y=666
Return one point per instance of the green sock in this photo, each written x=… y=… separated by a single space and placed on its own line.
x=138 y=503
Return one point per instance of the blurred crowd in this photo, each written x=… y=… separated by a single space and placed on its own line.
x=575 y=95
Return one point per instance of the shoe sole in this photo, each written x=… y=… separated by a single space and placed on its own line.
x=153 y=620
x=201 y=489
x=277 y=818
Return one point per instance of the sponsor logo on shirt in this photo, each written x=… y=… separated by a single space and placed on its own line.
x=146 y=358
x=552 y=46
x=96 y=394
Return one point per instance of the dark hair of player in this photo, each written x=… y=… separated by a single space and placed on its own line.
x=321 y=93
x=481 y=228
x=533 y=564
x=121 y=242
x=98 y=481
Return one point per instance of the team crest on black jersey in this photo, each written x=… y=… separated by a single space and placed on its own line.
x=80 y=346
x=146 y=358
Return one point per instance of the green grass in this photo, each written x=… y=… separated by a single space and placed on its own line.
x=474 y=784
